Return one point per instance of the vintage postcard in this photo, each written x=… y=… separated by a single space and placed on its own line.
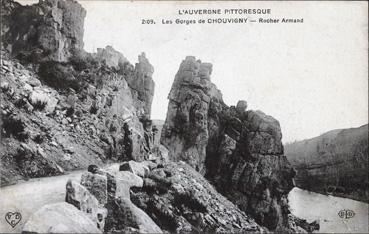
x=184 y=116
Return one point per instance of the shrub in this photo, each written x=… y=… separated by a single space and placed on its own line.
x=14 y=127
x=82 y=60
x=5 y=87
x=59 y=75
x=39 y=105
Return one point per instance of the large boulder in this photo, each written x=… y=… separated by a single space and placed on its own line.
x=82 y=199
x=59 y=218
x=124 y=214
x=110 y=184
x=101 y=186
x=239 y=150
x=136 y=168
x=124 y=181
x=128 y=178
x=160 y=153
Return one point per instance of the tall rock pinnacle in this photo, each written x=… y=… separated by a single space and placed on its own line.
x=240 y=151
x=142 y=82
x=185 y=132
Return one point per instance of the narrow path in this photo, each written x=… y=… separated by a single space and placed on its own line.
x=28 y=197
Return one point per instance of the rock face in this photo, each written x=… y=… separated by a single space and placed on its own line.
x=180 y=200
x=104 y=197
x=142 y=82
x=239 y=151
x=7 y=7
x=63 y=108
x=83 y=200
x=52 y=29
x=111 y=57
x=335 y=163
x=157 y=125
x=185 y=132
x=59 y=218
x=135 y=168
x=125 y=216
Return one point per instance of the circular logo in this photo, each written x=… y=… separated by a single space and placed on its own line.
x=346 y=214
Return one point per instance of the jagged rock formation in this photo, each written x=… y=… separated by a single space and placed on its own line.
x=335 y=162
x=142 y=83
x=185 y=132
x=180 y=200
x=239 y=151
x=139 y=77
x=173 y=198
x=111 y=57
x=66 y=109
x=49 y=30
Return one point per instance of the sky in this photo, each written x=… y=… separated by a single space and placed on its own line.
x=312 y=77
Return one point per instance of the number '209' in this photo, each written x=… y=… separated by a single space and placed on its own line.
x=147 y=21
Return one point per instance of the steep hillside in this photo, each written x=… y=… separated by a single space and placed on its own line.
x=63 y=108
x=335 y=162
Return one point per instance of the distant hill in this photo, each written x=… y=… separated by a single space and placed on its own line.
x=335 y=162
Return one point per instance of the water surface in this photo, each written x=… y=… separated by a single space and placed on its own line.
x=314 y=206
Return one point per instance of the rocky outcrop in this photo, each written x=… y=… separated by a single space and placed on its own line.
x=126 y=217
x=83 y=200
x=142 y=83
x=111 y=57
x=135 y=168
x=7 y=7
x=104 y=197
x=180 y=200
x=46 y=131
x=172 y=198
x=49 y=30
x=335 y=163
x=239 y=151
x=63 y=108
x=185 y=132
x=59 y=218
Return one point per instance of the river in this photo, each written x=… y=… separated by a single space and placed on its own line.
x=325 y=208
x=29 y=196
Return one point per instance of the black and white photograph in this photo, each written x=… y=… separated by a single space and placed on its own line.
x=184 y=116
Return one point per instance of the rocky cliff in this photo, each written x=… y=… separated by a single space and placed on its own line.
x=335 y=162
x=239 y=151
x=64 y=108
x=51 y=29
